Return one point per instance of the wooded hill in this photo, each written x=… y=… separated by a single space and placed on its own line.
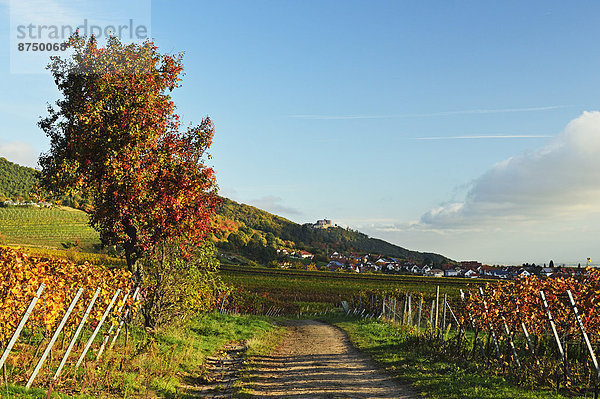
x=17 y=182
x=241 y=228
x=20 y=183
x=267 y=229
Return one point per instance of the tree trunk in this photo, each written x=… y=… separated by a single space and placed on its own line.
x=132 y=254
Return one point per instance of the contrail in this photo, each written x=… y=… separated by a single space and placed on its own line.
x=506 y=136
x=444 y=113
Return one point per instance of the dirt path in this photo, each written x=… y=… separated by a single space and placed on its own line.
x=317 y=360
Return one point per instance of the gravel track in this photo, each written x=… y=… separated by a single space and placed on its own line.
x=316 y=360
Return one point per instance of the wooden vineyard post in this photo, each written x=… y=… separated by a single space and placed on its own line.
x=437 y=306
x=446 y=303
x=24 y=319
x=444 y=314
x=490 y=325
x=223 y=302
x=459 y=326
x=89 y=342
x=402 y=315
x=586 y=339
x=135 y=296
x=476 y=330
x=405 y=315
x=53 y=339
x=387 y=307
x=555 y=333
x=462 y=298
x=524 y=328
x=410 y=311
x=431 y=314
x=509 y=336
x=107 y=337
x=419 y=317
x=88 y=310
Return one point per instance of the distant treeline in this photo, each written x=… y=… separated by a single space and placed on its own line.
x=20 y=183
x=17 y=182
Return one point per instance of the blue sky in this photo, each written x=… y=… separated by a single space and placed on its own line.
x=438 y=126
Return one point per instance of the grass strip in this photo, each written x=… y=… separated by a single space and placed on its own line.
x=400 y=353
x=155 y=364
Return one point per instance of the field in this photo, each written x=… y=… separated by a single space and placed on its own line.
x=46 y=227
x=324 y=290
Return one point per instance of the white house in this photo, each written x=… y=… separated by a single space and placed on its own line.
x=435 y=273
x=523 y=273
x=451 y=273
x=471 y=274
x=547 y=271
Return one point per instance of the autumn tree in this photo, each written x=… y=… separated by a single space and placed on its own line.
x=116 y=139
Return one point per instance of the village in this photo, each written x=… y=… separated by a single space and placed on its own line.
x=368 y=263
x=464 y=269
x=39 y=204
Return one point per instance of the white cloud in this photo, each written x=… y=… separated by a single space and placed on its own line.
x=560 y=181
x=19 y=152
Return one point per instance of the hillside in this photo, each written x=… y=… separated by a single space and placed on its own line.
x=22 y=183
x=16 y=181
x=315 y=240
x=240 y=228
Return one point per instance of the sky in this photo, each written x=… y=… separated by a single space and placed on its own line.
x=466 y=128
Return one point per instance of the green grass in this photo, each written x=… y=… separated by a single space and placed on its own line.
x=404 y=356
x=152 y=364
x=46 y=227
x=13 y=391
x=178 y=353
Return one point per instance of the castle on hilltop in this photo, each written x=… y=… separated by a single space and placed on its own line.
x=322 y=224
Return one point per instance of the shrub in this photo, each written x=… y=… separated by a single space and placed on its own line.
x=177 y=287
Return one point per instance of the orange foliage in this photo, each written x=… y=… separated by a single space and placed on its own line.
x=22 y=275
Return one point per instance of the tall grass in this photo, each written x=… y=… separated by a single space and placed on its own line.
x=144 y=363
